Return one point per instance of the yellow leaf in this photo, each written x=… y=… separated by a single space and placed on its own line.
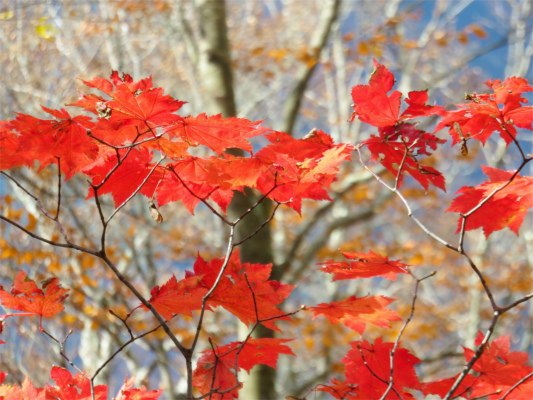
x=44 y=30
x=6 y=15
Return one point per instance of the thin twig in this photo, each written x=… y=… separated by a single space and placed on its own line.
x=525 y=378
x=67 y=359
x=396 y=343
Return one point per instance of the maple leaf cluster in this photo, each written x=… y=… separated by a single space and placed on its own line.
x=132 y=121
x=501 y=202
x=243 y=290
x=70 y=387
x=135 y=142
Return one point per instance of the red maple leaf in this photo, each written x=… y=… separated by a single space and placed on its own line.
x=137 y=102
x=126 y=392
x=371 y=102
x=340 y=390
x=441 y=387
x=374 y=106
x=365 y=357
x=25 y=296
x=26 y=391
x=401 y=145
x=498 y=370
x=216 y=375
x=300 y=168
x=364 y=266
x=234 y=294
x=66 y=138
x=76 y=387
x=175 y=297
x=11 y=153
x=189 y=180
x=489 y=113
x=253 y=352
x=418 y=107
x=355 y=312
x=507 y=208
x=125 y=179
x=216 y=132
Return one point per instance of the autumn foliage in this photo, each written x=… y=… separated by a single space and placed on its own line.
x=131 y=141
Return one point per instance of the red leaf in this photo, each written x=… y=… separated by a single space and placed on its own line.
x=441 y=387
x=66 y=139
x=175 y=297
x=499 y=369
x=216 y=132
x=209 y=375
x=507 y=208
x=365 y=266
x=355 y=313
x=377 y=358
x=11 y=153
x=126 y=178
x=24 y=392
x=138 y=102
x=484 y=115
x=341 y=390
x=233 y=292
x=27 y=297
x=127 y=393
x=401 y=145
x=372 y=104
x=303 y=168
x=75 y=387
x=188 y=180
x=418 y=107
x=255 y=351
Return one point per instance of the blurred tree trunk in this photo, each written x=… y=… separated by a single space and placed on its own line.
x=214 y=65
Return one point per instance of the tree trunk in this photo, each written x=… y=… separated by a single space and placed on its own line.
x=214 y=65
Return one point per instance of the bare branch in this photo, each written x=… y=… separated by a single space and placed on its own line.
x=396 y=343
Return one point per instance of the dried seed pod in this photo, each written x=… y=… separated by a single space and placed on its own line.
x=464 y=149
x=154 y=212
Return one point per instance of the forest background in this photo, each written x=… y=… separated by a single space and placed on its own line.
x=292 y=64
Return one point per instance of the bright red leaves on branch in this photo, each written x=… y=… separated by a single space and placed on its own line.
x=497 y=371
x=364 y=266
x=225 y=359
x=500 y=112
x=48 y=140
x=137 y=103
x=234 y=294
x=399 y=142
x=355 y=312
x=506 y=208
x=175 y=297
x=234 y=291
x=69 y=387
x=368 y=366
x=372 y=104
x=25 y=296
x=135 y=114
x=216 y=132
